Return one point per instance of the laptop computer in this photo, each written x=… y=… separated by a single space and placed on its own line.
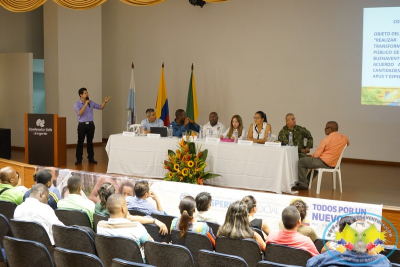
x=159 y=130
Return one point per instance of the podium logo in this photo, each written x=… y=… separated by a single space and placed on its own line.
x=40 y=123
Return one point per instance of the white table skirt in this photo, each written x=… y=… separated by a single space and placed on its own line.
x=252 y=167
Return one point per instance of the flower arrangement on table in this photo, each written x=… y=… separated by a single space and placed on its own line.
x=187 y=164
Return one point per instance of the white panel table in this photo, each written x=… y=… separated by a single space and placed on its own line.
x=252 y=167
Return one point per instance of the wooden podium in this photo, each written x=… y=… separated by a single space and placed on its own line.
x=45 y=139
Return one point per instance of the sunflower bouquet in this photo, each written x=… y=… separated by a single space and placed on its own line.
x=187 y=164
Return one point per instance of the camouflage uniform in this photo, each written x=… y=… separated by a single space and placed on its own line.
x=299 y=133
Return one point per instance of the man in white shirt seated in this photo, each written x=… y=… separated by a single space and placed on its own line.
x=216 y=127
x=203 y=205
x=36 y=209
x=119 y=225
x=151 y=121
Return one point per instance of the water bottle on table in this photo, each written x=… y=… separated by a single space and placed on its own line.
x=128 y=125
x=200 y=133
x=170 y=131
x=210 y=133
x=269 y=136
x=290 y=139
x=236 y=135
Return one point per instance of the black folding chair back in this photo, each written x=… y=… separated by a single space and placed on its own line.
x=319 y=244
x=167 y=255
x=110 y=247
x=248 y=249
x=215 y=259
x=394 y=257
x=5 y=228
x=31 y=231
x=137 y=212
x=286 y=255
x=96 y=218
x=67 y=258
x=23 y=253
x=274 y=264
x=193 y=241
x=154 y=232
x=167 y=220
x=214 y=226
x=73 y=238
x=258 y=231
x=7 y=209
x=73 y=217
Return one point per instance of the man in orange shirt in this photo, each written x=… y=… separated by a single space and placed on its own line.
x=326 y=155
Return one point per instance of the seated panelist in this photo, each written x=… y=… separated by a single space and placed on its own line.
x=151 y=121
x=183 y=124
x=214 y=125
x=258 y=131
x=236 y=124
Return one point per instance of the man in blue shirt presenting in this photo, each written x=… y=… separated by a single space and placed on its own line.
x=84 y=110
x=183 y=124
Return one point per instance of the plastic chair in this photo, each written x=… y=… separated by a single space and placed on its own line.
x=154 y=232
x=166 y=255
x=73 y=238
x=215 y=259
x=248 y=249
x=123 y=263
x=258 y=231
x=214 y=226
x=31 y=231
x=5 y=228
x=395 y=256
x=7 y=209
x=137 y=212
x=167 y=220
x=23 y=253
x=273 y=264
x=96 y=218
x=286 y=255
x=67 y=258
x=73 y=217
x=333 y=171
x=193 y=241
x=110 y=247
x=135 y=128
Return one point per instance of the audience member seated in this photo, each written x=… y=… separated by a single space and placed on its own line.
x=236 y=124
x=106 y=190
x=346 y=220
x=101 y=180
x=358 y=256
x=36 y=209
x=304 y=228
x=216 y=127
x=299 y=135
x=258 y=131
x=237 y=224
x=151 y=121
x=187 y=222
x=203 y=205
x=45 y=177
x=9 y=180
x=183 y=124
x=261 y=224
x=119 y=225
x=127 y=189
x=326 y=155
x=139 y=202
x=289 y=236
x=74 y=200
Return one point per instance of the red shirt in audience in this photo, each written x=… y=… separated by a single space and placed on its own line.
x=292 y=239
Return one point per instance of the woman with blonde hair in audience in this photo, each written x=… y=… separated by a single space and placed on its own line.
x=237 y=224
x=304 y=227
x=187 y=222
x=258 y=131
x=261 y=224
x=236 y=124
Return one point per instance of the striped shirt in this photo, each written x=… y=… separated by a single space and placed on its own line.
x=197 y=227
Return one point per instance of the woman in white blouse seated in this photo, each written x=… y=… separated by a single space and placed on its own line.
x=259 y=130
x=236 y=124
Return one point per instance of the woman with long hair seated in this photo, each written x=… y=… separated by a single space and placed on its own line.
x=237 y=224
x=104 y=191
x=187 y=222
x=258 y=131
x=261 y=224
x=236 y=124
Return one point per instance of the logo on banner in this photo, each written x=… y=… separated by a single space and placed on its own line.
x=40 y=123
x=362 y=236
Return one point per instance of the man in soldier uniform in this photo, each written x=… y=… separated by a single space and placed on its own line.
x=299 y=134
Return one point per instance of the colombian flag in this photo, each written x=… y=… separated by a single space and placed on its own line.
x=162 y=111
x=192 y=111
